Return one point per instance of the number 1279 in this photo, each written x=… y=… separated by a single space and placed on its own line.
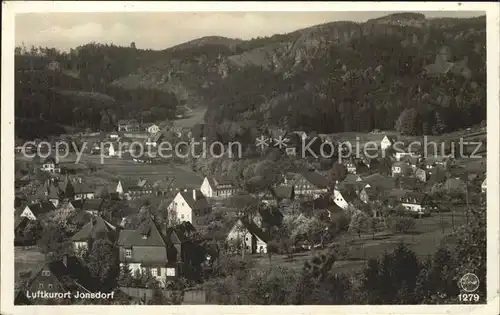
x=468 y=297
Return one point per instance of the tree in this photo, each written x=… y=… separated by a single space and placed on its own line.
x=33 y=230
x=272 y=248
x=360 y=222
x=103 y=263
x=337 y=173
x=125 y=278
x=439 y=125
x=408 y=122
x=393 y=278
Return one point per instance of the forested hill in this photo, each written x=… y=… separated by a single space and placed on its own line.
x=402 y=70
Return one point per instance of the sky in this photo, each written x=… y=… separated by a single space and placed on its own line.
x=160 y=30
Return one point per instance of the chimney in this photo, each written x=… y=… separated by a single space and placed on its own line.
x=194 y=194
x=65 y=260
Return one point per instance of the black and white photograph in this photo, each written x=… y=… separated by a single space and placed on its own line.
x=243 y=157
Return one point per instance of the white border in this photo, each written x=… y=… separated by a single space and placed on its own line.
x=7 y=162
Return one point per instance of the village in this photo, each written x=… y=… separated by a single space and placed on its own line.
x=158 y=218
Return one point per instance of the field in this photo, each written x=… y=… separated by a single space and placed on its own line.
x=426 y=238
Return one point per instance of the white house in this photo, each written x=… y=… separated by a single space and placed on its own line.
x=415 y=202
x=33 y=211
x=386 y=142
x=340 y=200
x=190 y=206
x=50 y=165
x=152 y=128
x=217 y=187
x=249 y=235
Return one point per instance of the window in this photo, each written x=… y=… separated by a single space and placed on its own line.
x=170 y=272
x=128 y=253
x=154 y=272
x=50 y=286
x=45 y=273
x=182 y=216
x=40 y=285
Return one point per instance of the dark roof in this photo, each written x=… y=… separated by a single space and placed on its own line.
x=200 y=203
x=88 y=204
x=255 y=230
x=41 y=207
x=315 y=178
x=129 y=238
x=273 y=217
x=282 y=192
x=219 y=181
x=351 y=178
x=380 y=181
x=96 y=228
x=18 y=220
x=73 y=271
x=82 y=188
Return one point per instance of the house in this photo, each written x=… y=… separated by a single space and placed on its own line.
x=82 y=191
x=96 y=228
x=379 y=181
x=454 y=184
x=49 y=191
x=432 y=162
x=249 y=235
x=136 y=189
x=152 y=128
x=400 y=169
x=130 y=125
x=151 y=249
x=351 y=167
x=276 y=195
x=416 y=202
x=65 y=276
x=217 y=187
x=34 y=211
x=191 y=206
x=310 y=183
x=384 y=141
x=266 y=218
x=91 y=206
x=402 y=155
x=50 y=165
x=20 y=224
x=369 y=194
x=421 y=174
x=483 y=185
x=343 y=198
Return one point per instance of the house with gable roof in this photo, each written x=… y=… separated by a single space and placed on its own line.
x=309 y=183
x=96 y=228
x=191 y=206
x=37 y=210
x=60 y=276
x=217 y=187
x=247 y=234
x=149 y=249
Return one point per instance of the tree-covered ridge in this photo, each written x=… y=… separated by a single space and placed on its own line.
x=334 y=77
x=365 y=83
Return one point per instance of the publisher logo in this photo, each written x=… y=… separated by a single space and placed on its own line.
x=469 y=282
